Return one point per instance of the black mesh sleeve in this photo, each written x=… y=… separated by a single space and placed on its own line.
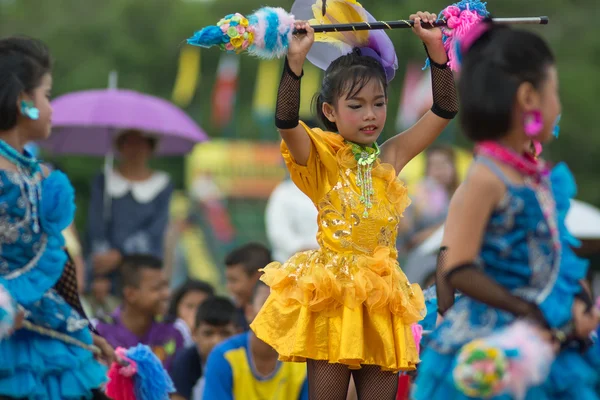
x=288 y=99
x=445 y=96
x=444 y=291
x=473 y=282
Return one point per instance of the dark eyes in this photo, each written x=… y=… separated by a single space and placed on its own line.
x=357 y=106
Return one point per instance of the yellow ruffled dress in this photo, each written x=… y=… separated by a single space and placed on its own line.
x=347 y=302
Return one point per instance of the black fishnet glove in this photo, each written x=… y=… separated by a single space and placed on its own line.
x=444 y=291
x=287 y=111
x=473 y=282
x=445 y=96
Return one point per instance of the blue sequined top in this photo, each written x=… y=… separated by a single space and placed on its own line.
x=31 y=263
x=518 y=252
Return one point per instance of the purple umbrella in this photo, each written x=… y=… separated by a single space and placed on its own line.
x=86 y=122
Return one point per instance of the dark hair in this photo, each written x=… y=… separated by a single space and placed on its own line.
x=133 y=264
x=23 y=63
x=348 y=75
x=152 y=141
x=449 y=152
x=216 y=311
x=187 y=287
x=492 y=70
x=251 y=256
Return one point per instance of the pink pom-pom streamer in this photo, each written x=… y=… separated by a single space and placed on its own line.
x=463 y=27
x=120 y=385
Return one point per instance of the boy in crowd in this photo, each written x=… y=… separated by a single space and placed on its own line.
x=241 y=273
x=244 y=367
x=140 y=318
x=215 y=322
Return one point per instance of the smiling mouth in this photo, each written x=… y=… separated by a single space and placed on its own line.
x=369 y=128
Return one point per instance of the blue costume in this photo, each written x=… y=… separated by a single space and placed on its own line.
x=33 y=212
x=518 y=253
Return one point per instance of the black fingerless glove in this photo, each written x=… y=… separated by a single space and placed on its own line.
x=445 y=96
x=473 y=282
x=287 y=111
x=444 y=291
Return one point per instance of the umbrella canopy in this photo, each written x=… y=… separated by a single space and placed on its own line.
x=87 y=122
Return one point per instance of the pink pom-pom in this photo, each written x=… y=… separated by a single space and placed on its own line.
x=417 y=331
x=461 y=27
x=224 y=28
x=531 y=365
x=119 y=386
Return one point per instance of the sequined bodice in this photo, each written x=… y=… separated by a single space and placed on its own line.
x=18 y=242
x=517 y=248
x=343 y=227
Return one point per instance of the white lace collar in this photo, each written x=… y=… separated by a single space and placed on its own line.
x=142 y=191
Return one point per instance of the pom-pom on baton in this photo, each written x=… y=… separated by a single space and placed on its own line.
x=267 y=32
x=510 y=361
x=138 y=375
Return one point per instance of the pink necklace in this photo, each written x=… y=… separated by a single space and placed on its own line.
x=535 y=172
x=526 y=163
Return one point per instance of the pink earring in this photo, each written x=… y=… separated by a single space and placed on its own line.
x=532 y=122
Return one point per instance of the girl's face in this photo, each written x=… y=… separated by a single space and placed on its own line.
x=188 y=305
x=38 y=129
x=360 y=118
x=549 y=105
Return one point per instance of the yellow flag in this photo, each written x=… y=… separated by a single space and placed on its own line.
x=188 y=76
x=311 y=82
x=265 y=91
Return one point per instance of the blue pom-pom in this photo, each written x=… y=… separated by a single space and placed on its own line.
x=209 y=36
x=151 y=381
x=272 y=32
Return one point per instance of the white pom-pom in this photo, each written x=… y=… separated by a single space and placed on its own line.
x=7 y=312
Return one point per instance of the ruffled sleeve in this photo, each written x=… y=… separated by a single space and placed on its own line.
x=35 y=263
x=321 y=170
x=557 y=306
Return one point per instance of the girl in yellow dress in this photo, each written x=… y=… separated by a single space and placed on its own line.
x=347 y=308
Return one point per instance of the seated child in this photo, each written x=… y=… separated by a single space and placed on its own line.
x=244 y=367
x=140 y=318
x=184 y=306
x=241 y=273
x=215 y=322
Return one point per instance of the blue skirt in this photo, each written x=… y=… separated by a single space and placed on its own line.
x=37 y=367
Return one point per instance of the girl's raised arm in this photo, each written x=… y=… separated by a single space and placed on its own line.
x=287 y=113
x=403 y=147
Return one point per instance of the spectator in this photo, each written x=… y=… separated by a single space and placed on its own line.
x=184 y=306
x=215 y=322
x=129 y=206
x=290 y=232
x=244 y=367
x=241 y=273
x=140 y=318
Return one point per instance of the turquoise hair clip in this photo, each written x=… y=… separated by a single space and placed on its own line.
x=556 y=129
